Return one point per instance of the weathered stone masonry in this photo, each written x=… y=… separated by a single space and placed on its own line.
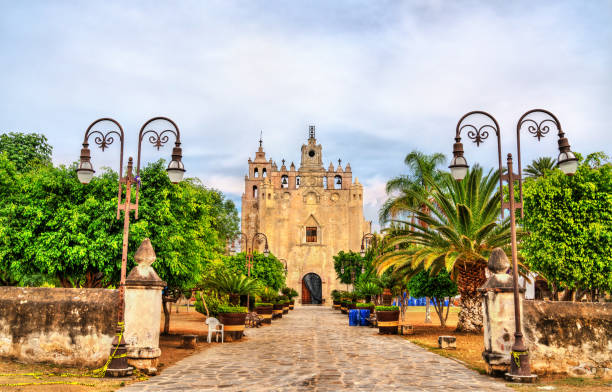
x=63 y=326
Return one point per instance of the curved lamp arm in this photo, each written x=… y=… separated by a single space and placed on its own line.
x=266 y=249
x=365 y=242
x=158 y=138
x=478 y=135
x=85 y=170
x=566 y=161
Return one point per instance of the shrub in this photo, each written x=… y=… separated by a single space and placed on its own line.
x=365 y=305
x=212 y=303
x=336 y=295
x=262 y=304
x=387 y=308
x=232 y=309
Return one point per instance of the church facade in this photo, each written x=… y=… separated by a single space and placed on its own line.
x=308 y=214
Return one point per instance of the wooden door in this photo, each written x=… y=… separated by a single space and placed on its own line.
x=305 y=294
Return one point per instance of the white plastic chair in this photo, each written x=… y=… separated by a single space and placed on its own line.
x=214 y=326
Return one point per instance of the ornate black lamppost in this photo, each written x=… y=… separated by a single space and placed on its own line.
x=249 y=252
x=519 y=362
x=103 y=138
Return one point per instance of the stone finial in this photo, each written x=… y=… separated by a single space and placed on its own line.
x=331 y=167
x=498 y=261
x=145 y=255
x=143 y=274
x=292 y=167
x=347 y=168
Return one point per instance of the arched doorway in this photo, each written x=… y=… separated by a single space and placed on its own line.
x=311 y=289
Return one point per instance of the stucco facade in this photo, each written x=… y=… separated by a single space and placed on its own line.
x=308 y=214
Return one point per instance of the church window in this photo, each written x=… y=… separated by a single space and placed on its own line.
x=269 y=196
x=338 y=182
x=325 y=182
x=360 y=196
x=264 y=173
x=285 y=181
x=311 y=153
x=311 y=234
x=256 y=172
x=255 y=192
x=297 y=182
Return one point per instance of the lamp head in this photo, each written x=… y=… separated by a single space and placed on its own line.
x=85 y=171
x=458 y=166
x=266 y=251
x=567 y=161
x=176 y=169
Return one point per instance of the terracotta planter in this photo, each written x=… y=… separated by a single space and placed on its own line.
x=266 y=313
x=336 y=305
x=343 y=308
x=285 y=308
x=388 y=321
x=278 y=311
x=291 y=304
x=233 y=324
x=387 y=297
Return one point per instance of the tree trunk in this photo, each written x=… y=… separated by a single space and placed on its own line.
x=470 y=315
x=427 y=311
x=166 y=317
x=470 y=278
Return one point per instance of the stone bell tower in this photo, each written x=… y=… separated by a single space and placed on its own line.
x=309 y=214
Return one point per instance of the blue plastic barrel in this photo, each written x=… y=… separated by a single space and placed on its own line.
x=364 y=314
x=354 y=317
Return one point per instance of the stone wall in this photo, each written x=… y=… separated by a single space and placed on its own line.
x=61 y=326
x=569 y=337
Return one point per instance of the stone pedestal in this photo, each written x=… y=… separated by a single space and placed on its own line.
x=498 y=313
x=143 y=302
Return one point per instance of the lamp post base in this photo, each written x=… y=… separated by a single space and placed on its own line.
x=531 y=378
x=118 y=367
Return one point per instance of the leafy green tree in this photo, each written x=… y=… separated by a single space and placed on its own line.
x=26 y=150
x=268 y=270
x=457 y=232
x=569 y=221
x=437 y=287
x=57 y=227
x=348 y=265
x=402 y=190
x=539 y=167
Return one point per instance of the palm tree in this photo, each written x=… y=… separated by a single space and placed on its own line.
x=402 y=189
x=540 y=166
x=232 y=284
x=457 y=232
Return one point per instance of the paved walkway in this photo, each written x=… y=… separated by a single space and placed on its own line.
x=314 y=349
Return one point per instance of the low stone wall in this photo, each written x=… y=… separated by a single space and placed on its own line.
x=569 y=337
x=61 y=326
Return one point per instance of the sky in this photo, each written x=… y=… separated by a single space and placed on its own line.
x=378 y=79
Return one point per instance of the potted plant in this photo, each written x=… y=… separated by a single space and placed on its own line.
x=344 y=306
x=285 y=301
x=336 y=297
x=233 y=317
x=265 y=309
x=290 y=294
x=368 y=289
x=365 y=310
x=387 y=318
x=277 y=311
